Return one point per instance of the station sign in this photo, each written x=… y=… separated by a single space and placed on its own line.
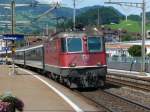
x=5 y=48
x=15 y=37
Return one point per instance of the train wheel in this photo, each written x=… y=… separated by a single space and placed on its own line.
x=61 y=79
x=49 y=75
x=68 y=83
x=53 y=76
x=71 y=84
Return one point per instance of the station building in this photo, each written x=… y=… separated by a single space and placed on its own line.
x=121 y=48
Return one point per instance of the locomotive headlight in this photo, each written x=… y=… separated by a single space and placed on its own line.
x=72 y=65
x=99 y=64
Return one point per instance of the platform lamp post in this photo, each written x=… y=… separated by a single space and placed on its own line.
x=142 y=6
x=13 y=16
x=13 y=32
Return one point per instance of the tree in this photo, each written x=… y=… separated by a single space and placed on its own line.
x=134 y=18
x=148 y=54
x=135 y=51
x=89 y=16
x=126 y=37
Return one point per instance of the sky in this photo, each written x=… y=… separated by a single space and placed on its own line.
x=83 y=3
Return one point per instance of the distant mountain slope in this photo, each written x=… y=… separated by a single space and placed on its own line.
x=17 y=1
x=107 y=15
x=89 y=16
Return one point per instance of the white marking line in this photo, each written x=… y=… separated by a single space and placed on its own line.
x=73 y=105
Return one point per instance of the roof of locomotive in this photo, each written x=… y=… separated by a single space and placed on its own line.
x=77 y=34
x=70 y=34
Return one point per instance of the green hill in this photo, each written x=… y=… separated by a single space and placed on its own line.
x=106 y=15
x=90 y=16
x=131 y=26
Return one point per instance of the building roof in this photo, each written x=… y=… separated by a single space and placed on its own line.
x=126 y=44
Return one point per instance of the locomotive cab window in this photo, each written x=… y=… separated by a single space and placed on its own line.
x=95 y=44
x=74 y=44
x=63 y=45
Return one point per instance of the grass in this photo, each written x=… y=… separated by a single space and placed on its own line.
x=131 y=26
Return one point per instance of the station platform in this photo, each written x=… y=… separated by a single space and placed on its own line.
x=41 y=94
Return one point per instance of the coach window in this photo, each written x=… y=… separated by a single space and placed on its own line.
x=95 y=44
x=74 y=44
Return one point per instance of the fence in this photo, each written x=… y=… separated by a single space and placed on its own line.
x=127 y=63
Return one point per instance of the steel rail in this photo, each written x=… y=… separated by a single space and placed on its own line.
x=126 y=101
x=125 y=82
x=92 y=100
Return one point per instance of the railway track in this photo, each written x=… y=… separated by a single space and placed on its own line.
x=114 y=103
x=140 y=84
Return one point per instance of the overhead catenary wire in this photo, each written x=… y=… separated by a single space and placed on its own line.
x=46 y=12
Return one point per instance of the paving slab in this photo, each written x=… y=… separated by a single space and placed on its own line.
x=36 y=96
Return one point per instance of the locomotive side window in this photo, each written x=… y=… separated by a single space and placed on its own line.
x=95 y=44
x=74 y=44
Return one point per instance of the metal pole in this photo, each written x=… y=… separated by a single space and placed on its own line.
x=74 y=15
x=98 y=17
x=6 y=52
x=47 y=30
x=143 y=37
x=13 y=32
x=126 y=18
x=13 y=16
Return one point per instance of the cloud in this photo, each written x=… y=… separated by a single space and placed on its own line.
x=49 y=1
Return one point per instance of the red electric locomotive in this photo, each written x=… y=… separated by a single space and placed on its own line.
x=77 y=59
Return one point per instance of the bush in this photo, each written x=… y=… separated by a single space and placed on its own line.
x=135 y=50
x=14 y=101
x=5 y=106
x=126 y=37
x=148 y=54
